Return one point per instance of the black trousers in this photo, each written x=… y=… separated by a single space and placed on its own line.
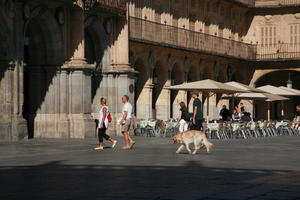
x=197 y=126
x=102 y=134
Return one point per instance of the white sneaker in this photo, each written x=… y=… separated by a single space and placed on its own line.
x=131 y=144
x=114 y=144
x=99 y=148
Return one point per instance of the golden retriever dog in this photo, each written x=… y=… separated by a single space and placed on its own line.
x=187 y=137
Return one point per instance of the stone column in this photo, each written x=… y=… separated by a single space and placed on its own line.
x=144 y=102
x=12 y=124
x=6 y=104
x=163 y=102
x=19 y=126
x=78 y=80
x=117 y=76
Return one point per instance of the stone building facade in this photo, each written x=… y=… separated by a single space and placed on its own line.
x=58 y=58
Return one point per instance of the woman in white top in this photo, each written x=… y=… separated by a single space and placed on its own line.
x=103 y=125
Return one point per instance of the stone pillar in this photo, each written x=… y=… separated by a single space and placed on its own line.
x=117 y=78
x=78 y=83
x=163 y=102
x=12 y=124
x=144 y=102
x=19 y=127
x=6 y=104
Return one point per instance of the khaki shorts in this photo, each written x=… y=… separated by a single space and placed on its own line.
x=126 y=127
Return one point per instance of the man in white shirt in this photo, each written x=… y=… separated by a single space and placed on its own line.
x=126 y=122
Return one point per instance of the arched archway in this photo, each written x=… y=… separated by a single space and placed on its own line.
x=43 y=53
x=278 y=78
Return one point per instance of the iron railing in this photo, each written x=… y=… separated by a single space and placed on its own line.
x=278 y=52
x=108 y=4
x=160 y=34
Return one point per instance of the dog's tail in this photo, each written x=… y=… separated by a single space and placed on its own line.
x=207 y=144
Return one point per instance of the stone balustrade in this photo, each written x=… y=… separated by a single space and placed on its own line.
x=160 y=34
x=276 y=3
x=281 y=51
x=267 y=3
x=174 y=37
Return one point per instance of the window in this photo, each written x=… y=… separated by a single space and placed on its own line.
x=268 y=35
x=295 y=33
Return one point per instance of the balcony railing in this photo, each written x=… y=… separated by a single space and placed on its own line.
x=165 y=35
x=112 y=5
x=278 y=52
x=276 y=3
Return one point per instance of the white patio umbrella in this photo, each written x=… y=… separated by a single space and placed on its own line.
x=278 y=91
x=207 y=87
x=260 y=96
x=290 y=89
x=242 y=87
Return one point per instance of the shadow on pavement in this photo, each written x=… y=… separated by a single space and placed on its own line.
x=56 y=180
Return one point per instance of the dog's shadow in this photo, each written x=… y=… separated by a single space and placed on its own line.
x=198 y=153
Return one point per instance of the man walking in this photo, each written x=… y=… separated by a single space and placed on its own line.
x=126 y=122
x=197 y=112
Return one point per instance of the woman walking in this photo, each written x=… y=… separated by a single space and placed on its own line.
x=103 y=125
x=184 y=118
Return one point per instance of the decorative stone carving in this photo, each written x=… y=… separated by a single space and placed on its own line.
x=297 y=15
x=268 y=17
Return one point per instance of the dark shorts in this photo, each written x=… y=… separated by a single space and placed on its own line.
x=197 y=126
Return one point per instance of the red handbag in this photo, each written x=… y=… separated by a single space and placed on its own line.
x=109 y=118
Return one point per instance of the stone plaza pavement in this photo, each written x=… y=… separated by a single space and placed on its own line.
x=267 y=168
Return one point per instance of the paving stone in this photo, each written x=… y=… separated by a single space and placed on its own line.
x=70 y=169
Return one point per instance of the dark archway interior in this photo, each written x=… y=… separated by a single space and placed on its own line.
x=42 y=56
x=279 y=78
x=5 y=47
